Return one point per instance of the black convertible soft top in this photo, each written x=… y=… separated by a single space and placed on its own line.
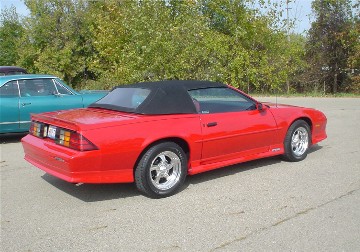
x=165 y=97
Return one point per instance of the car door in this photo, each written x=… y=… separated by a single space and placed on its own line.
x=9 y=107
x=232 y=125
x=43 y=95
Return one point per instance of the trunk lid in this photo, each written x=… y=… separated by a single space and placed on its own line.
x=85 y=118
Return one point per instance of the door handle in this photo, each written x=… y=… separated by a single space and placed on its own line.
x=211 y=124
x=25 y=104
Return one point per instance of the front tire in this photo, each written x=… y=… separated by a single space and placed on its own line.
x=162 y=170
x=297 y=141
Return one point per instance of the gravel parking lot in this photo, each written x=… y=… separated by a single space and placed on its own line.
x=263 y=205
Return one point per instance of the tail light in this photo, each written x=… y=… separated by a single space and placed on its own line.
x=64 y=137
x=74 y=140
x=38 y=129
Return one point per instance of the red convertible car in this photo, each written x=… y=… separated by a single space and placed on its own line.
x=157 y=133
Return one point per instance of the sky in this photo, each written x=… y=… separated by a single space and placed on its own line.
x=300 y=11
x=19 y=5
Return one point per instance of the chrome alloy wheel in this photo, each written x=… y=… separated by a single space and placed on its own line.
x=165 y=170
x=299 y=141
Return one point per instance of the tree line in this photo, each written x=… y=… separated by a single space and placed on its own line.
x=100 y=44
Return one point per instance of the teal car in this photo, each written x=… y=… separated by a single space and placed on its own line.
x=22 y=95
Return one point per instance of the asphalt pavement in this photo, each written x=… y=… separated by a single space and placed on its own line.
x=263 y=205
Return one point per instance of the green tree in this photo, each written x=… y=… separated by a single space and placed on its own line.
x=11 y=31
x=354 y=56
x=56 y=39
x=105 y=43
x=328 y=45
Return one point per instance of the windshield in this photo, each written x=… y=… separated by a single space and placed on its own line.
x=128 y=99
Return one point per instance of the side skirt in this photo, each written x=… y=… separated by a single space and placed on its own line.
x=197 y=167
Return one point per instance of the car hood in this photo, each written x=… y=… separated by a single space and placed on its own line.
x=289 y=113
x=276 y=105
x=93 y=92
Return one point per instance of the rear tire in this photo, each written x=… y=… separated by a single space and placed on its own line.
x=162 y=170
x=297 y=141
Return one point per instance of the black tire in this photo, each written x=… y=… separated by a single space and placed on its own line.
x=162 y=170
x=297 y=141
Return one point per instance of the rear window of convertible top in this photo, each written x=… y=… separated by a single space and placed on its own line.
x=127 y=98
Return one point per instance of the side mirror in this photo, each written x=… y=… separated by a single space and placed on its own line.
x=260 y=107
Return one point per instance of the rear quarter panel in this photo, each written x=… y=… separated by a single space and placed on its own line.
x=122 y=145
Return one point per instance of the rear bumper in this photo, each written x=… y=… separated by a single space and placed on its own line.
x=70 y=165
